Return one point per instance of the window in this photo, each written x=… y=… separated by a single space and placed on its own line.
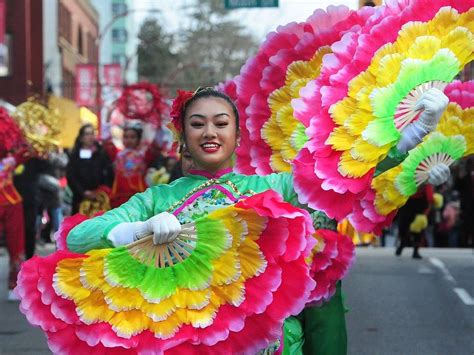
x=80 y=45
x=119 y=8
x=64 y=20
x=119 y=35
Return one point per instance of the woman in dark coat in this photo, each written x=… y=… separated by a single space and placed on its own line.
x=89 y=167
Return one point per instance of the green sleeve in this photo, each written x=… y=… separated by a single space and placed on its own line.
x=393 y=158
x=92 y=234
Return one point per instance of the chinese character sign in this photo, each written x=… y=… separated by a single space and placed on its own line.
x=86 y=75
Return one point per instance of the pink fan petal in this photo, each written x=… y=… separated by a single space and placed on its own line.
x=308 y=186
x=461 y=93
x=365 y=217
x=39 y=302
x=330 y=265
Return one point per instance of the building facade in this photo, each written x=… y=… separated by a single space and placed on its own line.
x=78 y=29
x=21 y=69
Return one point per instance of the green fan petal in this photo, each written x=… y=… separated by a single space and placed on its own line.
x=194 y=273
x=298 y=137
x=443 y=66
x=454 y=146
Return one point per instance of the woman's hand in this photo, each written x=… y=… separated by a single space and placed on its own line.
x=433 y=102
x=165 y=227
x=439 y=174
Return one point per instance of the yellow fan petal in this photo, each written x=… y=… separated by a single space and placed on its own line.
x=460 y=41
x=348 y=166
x=389 y=69
x=67 y=281
x=424 y=47
x=366 y=152
x=341 y=139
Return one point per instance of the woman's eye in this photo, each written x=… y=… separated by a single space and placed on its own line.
x=221 y=124
x=197 y=124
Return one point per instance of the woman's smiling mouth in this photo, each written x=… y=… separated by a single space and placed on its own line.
x=210 y=147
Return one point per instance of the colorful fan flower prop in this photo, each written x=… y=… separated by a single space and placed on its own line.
x=392 y=189
x=329 y=263
x=366 y=94
x=457 y=121
x=225 y=285
x=39 y=124
x=268 y=82
x=141 y=101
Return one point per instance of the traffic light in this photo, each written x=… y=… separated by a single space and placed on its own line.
x=370 y=3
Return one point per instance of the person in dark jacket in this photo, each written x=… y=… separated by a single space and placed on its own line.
x=418 y=204
x=89 y=167
x=27 y=184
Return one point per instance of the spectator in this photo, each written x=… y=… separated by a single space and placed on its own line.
x=89 y=167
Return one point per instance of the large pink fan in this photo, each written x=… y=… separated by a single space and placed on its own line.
x=266 y=72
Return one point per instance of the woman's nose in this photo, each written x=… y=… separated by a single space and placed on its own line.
x=209 y=131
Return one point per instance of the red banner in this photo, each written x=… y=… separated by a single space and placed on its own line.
x=113 y=75
x=86 y=76
x=3 y=15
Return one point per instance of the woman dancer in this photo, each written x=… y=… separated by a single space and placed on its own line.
x=208 y=123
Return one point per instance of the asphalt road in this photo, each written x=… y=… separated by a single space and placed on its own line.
x=396 y=306
x=407 y=306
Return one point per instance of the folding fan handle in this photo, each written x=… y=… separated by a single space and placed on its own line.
x=166 y=254
x=405 y=113
x=422 y=172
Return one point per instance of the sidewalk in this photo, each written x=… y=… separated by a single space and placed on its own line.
x=17 y=336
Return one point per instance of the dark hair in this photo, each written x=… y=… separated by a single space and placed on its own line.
x=137 y=130
x=211 y=92
x=77 y=142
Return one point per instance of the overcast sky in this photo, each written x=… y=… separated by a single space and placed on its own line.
x=259 y=21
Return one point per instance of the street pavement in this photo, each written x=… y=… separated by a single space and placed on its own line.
x=396 y=305
x=400 y=305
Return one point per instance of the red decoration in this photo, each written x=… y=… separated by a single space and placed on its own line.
x=141 y=101
x=11 y=137
x=177 y=109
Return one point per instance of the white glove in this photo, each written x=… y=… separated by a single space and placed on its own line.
x=164 y=226
x=439 y=174
x=127 y=232
x=434 y=102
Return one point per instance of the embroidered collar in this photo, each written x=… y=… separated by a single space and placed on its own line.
x=209 y=175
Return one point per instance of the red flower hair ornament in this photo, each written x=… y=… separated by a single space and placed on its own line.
x=177 y=109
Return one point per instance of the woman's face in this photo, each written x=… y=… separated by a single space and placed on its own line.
x=88 y=137
x=130 y=139
x=210 y=133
